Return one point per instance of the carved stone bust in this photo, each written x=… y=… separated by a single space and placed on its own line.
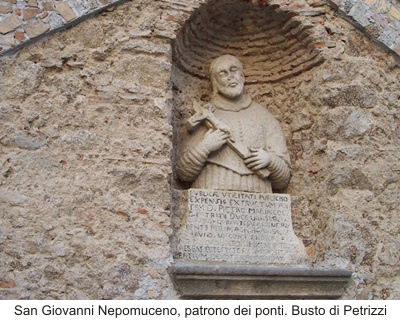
x=233 y=143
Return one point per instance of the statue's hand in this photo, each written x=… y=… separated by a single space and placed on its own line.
x=214 y=139
x=258 y=159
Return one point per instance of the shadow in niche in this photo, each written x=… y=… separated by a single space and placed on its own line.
x=273 y=44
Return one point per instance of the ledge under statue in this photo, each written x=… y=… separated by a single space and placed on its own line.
x=236 y=239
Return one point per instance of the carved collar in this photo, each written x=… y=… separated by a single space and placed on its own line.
x=223 y=103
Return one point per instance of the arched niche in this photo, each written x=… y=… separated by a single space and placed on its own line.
x=273 y=43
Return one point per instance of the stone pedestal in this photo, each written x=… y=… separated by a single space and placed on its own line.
x=241 y=245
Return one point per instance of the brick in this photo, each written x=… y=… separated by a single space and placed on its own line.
x=394 y=13
x=9 y=24
x=142 y=210
x=320 y=44
x=49 y=6
x=153 y=273
x=30 y=13
x=44 y=15
x=36 y=28
x=6 y=8
x=65 y=11
x=20 y=36
x=7 y=284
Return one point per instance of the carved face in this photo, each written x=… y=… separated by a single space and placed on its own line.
x=227 y=77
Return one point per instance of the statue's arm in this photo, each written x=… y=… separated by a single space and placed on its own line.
x=191 y=161
x=279 y=165
x=280 y=172
x=274 y=157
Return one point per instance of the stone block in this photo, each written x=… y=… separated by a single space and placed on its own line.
x=5 y=8
x=7 y=40
x=9 y=24
x=394 y=13
x=65 y=11
x=82 y=7
x=49 y=6
x=54 y=20
x=361 y=13
x=356 y=94
x=382 y=6
x=32 y=3
x=30 y=13
x=36 y=28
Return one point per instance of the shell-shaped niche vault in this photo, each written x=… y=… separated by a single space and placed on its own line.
x=273 y=43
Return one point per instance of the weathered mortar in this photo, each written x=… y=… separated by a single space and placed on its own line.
x=86 y=138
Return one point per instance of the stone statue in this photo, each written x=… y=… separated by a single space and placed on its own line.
x=233 y=143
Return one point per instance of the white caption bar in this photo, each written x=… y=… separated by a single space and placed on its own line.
x=199 y=309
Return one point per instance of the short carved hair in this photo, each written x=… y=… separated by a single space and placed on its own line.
x=216 y=61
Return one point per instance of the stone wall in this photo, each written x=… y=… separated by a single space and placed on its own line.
x=87 y=140
x=25 y=21
x=379 y=19
x=22 y=21
x=85 y=159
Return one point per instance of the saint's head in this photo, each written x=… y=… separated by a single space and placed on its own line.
x=227 y=79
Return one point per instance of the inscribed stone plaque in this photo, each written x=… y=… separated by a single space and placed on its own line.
x=238 y=227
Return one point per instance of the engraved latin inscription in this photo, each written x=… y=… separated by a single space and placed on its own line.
x=237 y=227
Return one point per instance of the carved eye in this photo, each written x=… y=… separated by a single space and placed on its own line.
x=234 y=69
x=222 y=74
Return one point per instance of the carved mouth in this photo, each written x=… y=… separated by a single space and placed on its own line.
x=233 y=84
